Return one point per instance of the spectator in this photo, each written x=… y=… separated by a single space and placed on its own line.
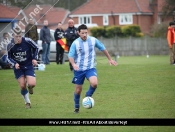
x=59 y=34
x=22 y=54
x=31 y=31
x=171 y=42
x=70 y=35
x=46 y=39
x=3 y=47
x=4 y=65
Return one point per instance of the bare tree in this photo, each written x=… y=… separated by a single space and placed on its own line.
x=168 y=8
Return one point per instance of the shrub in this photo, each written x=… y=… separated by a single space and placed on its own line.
x=97 y=31
x=112 y=31
x=130 y=30
x=159 y=30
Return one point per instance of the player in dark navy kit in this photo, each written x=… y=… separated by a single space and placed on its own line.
x=22 y=54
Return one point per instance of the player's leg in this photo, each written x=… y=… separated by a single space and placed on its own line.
x=77 y=93
x=19 y=75
x=31 y=82
x=24 y=91
x=78 y=80
x=31 y=79
x=91 y=75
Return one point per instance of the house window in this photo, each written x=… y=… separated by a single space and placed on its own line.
x=125 y=19
x=105 y=20
x=84 y=20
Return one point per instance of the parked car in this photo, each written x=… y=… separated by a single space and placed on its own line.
x=52 y=48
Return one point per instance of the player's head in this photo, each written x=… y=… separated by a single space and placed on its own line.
x=17 y=34
x=83 y=31
x=71 y=23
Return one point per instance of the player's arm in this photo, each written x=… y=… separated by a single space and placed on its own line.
x=102 y=48
x=34 y=46
x=9 y=57
x=71 y=55
x=111 y=62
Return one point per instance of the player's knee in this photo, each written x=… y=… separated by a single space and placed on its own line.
x=78 y=90
x=31 y=85
x=94 y=85
x=23 y=86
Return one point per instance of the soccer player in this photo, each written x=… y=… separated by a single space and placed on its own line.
x=22 y=54
x=82 y=56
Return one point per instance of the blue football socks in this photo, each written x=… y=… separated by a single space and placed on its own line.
x=90 y=91
x=77 y=100
x=24 y=92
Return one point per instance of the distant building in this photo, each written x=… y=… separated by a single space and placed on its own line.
x=144 y=13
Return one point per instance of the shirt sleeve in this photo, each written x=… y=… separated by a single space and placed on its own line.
x=9 y=55
x=99 y=45
x=72 y=51
x=34 y=47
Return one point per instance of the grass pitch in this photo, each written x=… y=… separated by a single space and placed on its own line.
x=138 y=87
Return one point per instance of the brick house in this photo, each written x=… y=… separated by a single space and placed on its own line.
x=7 y=19
x=144 y=13
x=41 y=12
x=10 y=16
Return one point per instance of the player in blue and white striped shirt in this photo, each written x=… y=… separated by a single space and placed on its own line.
x=22 y=54
x=82 y=56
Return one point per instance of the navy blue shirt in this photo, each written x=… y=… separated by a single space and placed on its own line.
x=70 y=35
x=22 y=53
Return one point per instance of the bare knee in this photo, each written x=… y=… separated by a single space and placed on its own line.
x=78 y=89
x=23 y=86
x=31 y=81
x=93 y=81
x=31 y=85
x=94 y=85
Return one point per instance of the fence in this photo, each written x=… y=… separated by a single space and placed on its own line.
x=135 y=46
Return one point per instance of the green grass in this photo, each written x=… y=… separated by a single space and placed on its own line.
x=138 y=87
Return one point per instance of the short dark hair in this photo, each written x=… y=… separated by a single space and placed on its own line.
x=83 y=26
x=17 y=31
x=4 y=34
x=172 y=23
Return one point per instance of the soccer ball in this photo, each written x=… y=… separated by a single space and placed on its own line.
x=88 y=102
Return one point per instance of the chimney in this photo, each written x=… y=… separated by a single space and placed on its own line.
x=154 y=7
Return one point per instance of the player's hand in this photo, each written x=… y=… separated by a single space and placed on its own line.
x=75 y=67
x=112 y=62
x=34 y=62
x=17 y=66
